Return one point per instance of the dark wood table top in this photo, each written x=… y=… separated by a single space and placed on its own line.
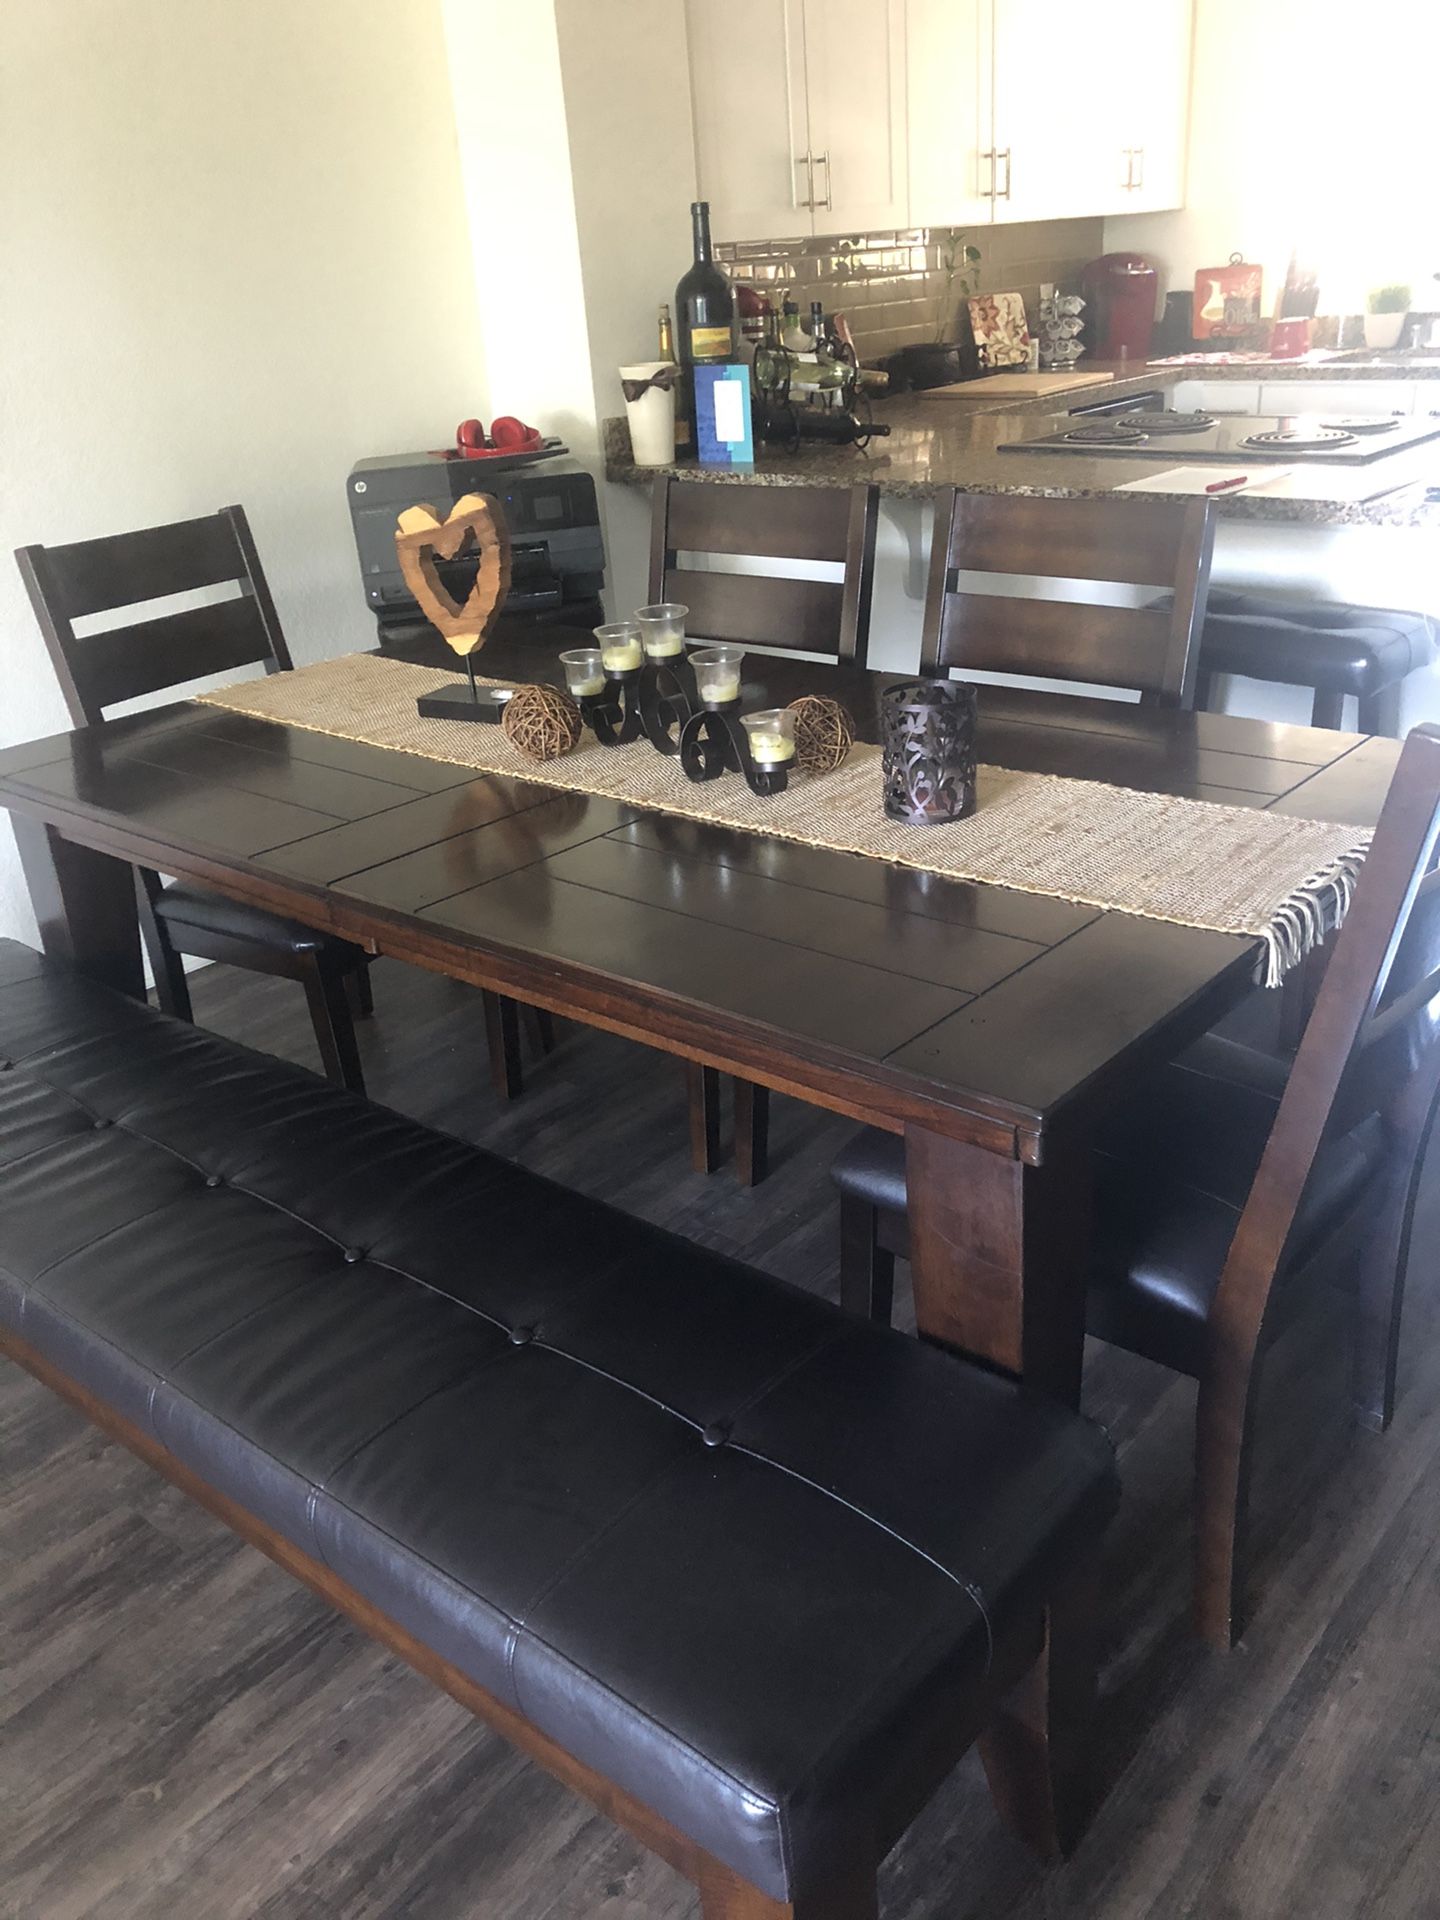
x=896 y=996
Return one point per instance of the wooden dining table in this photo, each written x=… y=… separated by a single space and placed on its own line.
x=992 y=1028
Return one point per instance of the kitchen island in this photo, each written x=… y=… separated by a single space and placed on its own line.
x=1365 y=535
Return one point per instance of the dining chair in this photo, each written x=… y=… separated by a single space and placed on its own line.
x=1232 y=1185
x=156 y=651
x=1150 y=650
x=774 y=611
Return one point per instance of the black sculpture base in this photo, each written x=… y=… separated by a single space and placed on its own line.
x=460 y=703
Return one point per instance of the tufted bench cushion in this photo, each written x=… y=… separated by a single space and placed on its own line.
x=739 y=1552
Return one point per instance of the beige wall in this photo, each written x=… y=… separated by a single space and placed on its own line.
x=1310 y=127
x=236 y=260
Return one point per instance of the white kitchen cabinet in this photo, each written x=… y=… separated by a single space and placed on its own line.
x=1216 y=396
x=799 y=112
x=1045 y=110
x=1053 y=109
x=855 y=90
x=747 y=87
x=950 y=62
x=1144 y=124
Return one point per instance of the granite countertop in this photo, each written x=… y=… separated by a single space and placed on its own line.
x=936 y=443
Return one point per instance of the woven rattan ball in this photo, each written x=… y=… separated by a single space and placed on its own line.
x=824 y=733
x=542 y=722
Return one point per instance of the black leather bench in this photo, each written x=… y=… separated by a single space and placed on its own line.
x=748 y=1571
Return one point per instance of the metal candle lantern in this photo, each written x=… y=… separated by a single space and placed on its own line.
x=928 y=729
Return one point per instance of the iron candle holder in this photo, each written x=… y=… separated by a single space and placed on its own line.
x=668 y=697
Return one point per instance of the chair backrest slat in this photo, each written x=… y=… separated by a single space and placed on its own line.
x=759 y=610
x=1137 y=544
x=100 y=670
x=1365 y=1048
x=803 y=524
x=126 y=662
x=1038 y=637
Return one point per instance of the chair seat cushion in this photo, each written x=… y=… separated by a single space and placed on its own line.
x=1335 y=649
x=186 y=909
x=741 y=1552
x=1173 y=1172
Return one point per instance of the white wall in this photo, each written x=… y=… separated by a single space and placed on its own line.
x=1311 y=126
x=236 y=260
x=579 y=169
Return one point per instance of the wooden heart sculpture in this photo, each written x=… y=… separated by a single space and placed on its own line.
x=422 y=539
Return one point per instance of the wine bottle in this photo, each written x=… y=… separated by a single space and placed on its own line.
x=704 y=317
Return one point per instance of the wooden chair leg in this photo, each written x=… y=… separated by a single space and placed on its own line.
x=1036 y=1750
x=1224 y=1422
x=752 y=1132
x=172 y=991
x=1380 y=1283
x=702 y=1087
x=539 y=1028
x=725 y=1896
x=1327 y=710
x=867 y=1270
x=502 y=1037
x=334 y=1028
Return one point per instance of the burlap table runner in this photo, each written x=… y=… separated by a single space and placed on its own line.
x=1228 y=869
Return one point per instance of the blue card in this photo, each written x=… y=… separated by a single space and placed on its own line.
x=724 y=435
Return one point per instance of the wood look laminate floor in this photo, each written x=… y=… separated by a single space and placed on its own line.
x=185 y=1732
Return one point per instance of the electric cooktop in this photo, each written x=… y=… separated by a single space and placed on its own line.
x=1341 y=439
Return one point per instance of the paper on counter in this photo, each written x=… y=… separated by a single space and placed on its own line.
x=1201 y=479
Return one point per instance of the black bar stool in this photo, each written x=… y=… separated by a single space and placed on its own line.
x=1333 y=650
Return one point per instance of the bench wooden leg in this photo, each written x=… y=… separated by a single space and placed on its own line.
x=702 y=1087
x=867 y=1270
x=360 y=993
x=725 y=1896
x=1036 y=1749
x=752 y=1132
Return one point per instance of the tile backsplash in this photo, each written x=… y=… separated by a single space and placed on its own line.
x=895 y=289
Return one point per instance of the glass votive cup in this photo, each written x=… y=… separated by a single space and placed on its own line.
x=772 y=736
x=584 y=673
x=662 y=629
x=717 y=674
x=620 y=648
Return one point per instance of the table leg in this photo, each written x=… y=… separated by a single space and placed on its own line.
x=85 y=904
x=998 y=1255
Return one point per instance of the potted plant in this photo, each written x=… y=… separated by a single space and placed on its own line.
x=1385 y=311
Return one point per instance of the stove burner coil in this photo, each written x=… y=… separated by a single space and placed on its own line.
x=1353 y=423
x=1301 y=439
x=1168 y=420
x=1106 y=433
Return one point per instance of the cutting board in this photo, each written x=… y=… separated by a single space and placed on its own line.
x=1028 y=385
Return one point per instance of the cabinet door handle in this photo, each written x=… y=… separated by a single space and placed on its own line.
x=823 y=160
x=1129 y=180
x=807 y=161
x=1003 y=193
x=985 y=193
x=1139 y=154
